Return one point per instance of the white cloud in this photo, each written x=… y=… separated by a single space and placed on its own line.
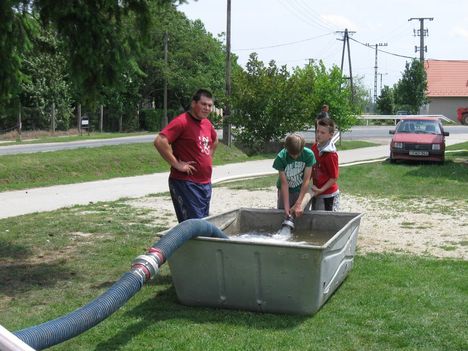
x=340 y=22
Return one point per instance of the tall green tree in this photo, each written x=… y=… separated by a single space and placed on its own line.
x=333 y=89
x=96 y=45
x=16 y=28
x=410 y=91
x=46 y=85
x=386 y=101
x=195 y=59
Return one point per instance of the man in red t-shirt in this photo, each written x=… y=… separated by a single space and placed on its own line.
x=188 y=144
x=325 y=171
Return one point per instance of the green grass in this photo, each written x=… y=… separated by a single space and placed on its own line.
x=86 y=164
x=24 y=171
x=460 y=146
x=52 y=263
x=353 y=144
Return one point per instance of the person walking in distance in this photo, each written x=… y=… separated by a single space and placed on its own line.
x=188 y=144
x=322 y=114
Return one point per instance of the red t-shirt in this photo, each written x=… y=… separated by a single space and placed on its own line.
x=191 y=140
x=325 y=168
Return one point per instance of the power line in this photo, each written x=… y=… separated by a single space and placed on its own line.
x=286 y=44
x=302 y=16
x=384 y=51
x=313 y=15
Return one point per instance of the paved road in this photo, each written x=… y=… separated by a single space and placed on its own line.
x=356 y=133
x=46 y=147
x=15 y=203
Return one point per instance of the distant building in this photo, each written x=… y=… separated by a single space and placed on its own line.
x=447 y=87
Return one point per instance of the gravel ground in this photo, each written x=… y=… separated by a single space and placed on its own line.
x=429 y=228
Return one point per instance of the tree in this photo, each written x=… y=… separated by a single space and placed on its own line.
x=195 y=59
x=16 y=28
x=333 y=89
x=386 y=101
x=410 y=91
x=97 y=46
x=46 y=84
x=269 y=102
x=264 y=107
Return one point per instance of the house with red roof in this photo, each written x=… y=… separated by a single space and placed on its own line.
x=447 y=87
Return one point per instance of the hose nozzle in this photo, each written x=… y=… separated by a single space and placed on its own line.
x=289 y=222
x=287 y=226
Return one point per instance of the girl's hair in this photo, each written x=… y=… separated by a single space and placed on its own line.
x=294 y=143
x=327 y=122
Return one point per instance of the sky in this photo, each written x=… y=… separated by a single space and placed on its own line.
x=291 y=32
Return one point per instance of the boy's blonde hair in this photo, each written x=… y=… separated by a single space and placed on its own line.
x=294 y=144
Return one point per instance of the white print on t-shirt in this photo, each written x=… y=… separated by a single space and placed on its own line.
x=294 y=173
x=204 y=143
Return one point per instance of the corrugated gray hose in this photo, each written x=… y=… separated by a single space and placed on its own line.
x=144 y=267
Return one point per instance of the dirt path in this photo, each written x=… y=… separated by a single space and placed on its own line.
x=430 y=228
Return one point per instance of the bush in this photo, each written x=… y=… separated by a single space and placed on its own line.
x=151 y=120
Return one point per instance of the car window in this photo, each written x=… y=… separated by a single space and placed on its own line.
x=405 y=127
x=423 y=126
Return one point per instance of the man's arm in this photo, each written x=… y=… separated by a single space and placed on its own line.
x=214 y=146
x=164 y=148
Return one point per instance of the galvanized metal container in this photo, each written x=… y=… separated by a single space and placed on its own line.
x=265 y=276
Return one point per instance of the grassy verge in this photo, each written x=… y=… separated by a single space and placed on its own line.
x=87 y=164
x=353 y=144
x=52 y=263
x=460 y=146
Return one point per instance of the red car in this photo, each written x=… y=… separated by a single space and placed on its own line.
x=418 y=139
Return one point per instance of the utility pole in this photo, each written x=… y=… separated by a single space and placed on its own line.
x=101 y=118
x=52 y=118
x=19 y=124
x=227 y=111
x=376 y=67
x=381 y=74
x=345 y=39
x=421 y=33
x=165 y=120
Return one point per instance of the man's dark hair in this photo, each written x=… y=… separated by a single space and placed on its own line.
x=202 y=92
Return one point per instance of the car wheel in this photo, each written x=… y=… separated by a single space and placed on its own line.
x=465 y=119
x=391 y=159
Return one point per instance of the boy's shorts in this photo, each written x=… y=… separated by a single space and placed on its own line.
x=326 y=203
x=292 y=199
x=190 y=200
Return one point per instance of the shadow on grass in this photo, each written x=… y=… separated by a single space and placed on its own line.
x=17 y=278
x=164 y=306
x=10 y=250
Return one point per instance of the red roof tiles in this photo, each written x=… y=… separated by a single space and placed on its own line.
x=447 y=78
